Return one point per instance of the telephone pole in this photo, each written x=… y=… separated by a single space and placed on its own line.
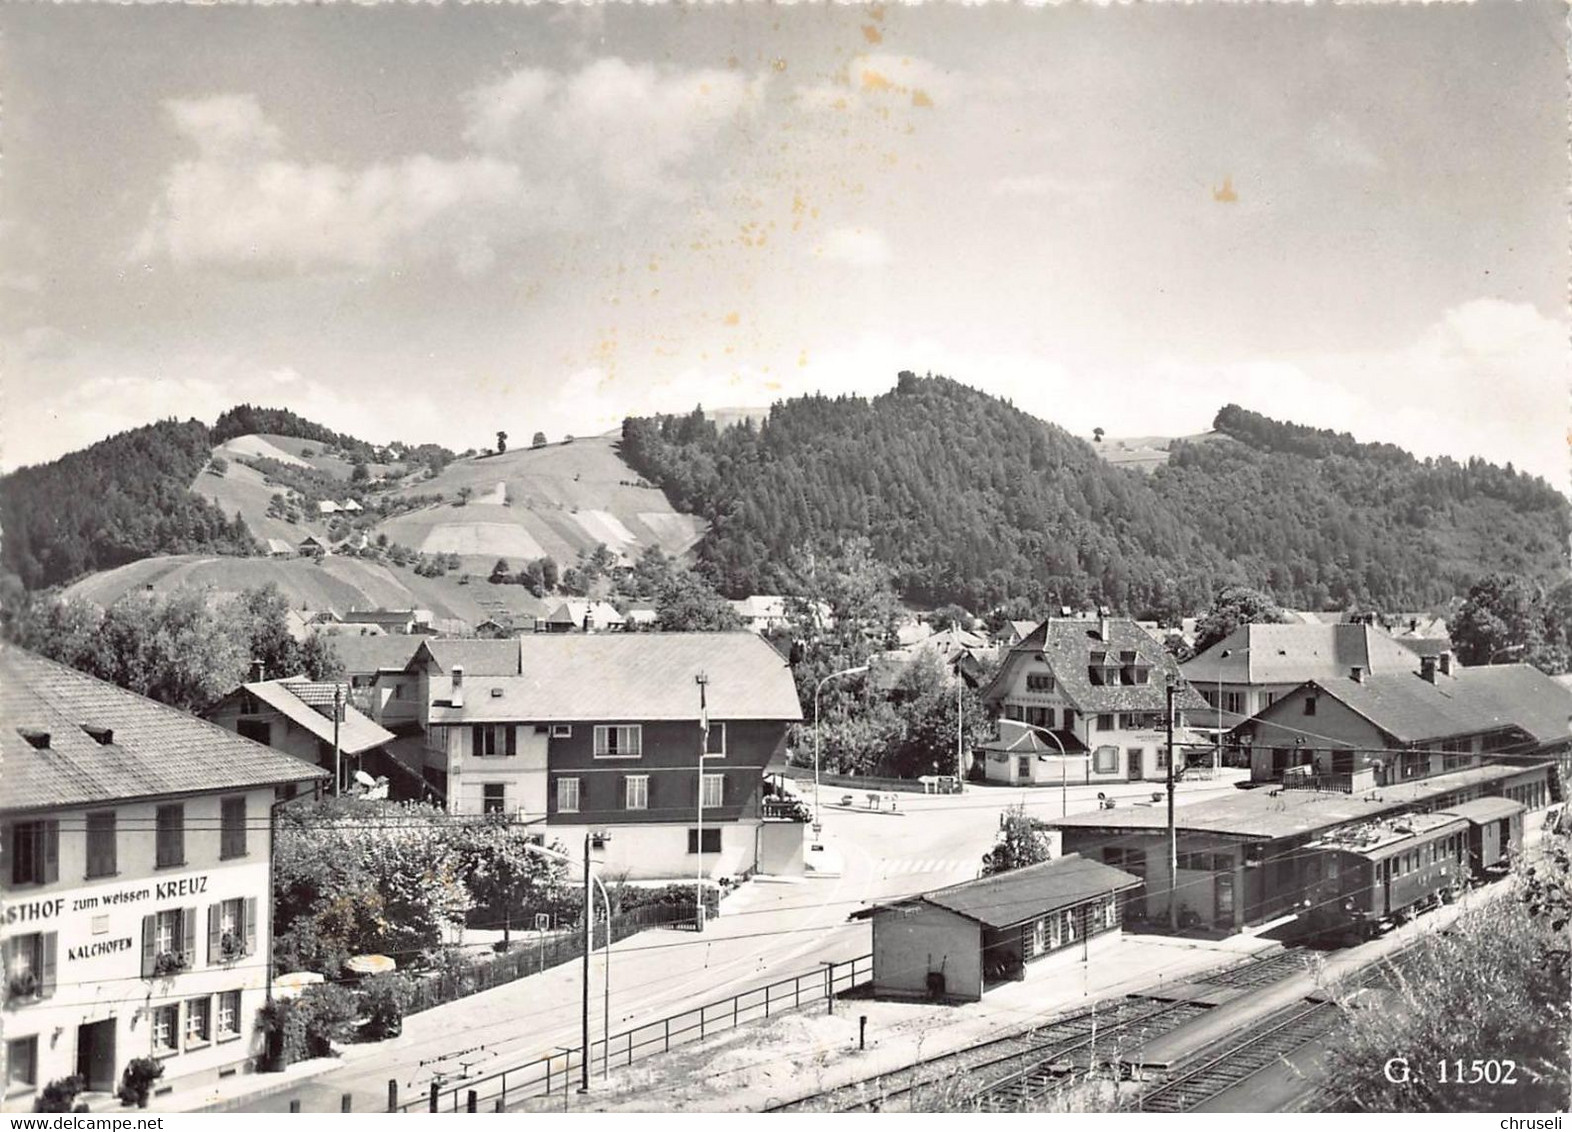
x=1173 y=833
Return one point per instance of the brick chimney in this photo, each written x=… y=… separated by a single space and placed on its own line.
x=258 y=671
x=1427 y=669
x=1356 y=674
x=1445 y=660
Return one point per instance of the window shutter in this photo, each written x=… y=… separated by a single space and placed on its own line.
x=513 y=739
x=213 y=921
x=46 y=977
x=188 y=935
x=251 y=925
x=49 y=834
x=476 y=740
x=149 y=941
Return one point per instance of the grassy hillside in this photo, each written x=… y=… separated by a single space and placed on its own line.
x=339 y=584
x=529 y=502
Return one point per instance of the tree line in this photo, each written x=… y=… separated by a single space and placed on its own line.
x=971 y=501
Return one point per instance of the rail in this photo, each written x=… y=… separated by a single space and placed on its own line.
x=558 y=1072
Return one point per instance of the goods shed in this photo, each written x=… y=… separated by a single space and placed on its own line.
x=953 y=943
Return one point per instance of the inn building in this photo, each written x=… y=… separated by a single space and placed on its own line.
x=134 y=909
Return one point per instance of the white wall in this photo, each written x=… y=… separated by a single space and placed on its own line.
x=660 y=852
x=98 y=927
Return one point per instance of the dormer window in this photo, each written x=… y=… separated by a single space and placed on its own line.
x=35 y=736
x=101 y=735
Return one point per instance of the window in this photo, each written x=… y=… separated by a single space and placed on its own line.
x=714 y=790
x=636 y=792
x=1234 y=702
x=101 y=844
x=1309 y=705
x=21 y=1055
x=1040 y=717
x=232 y=823
x=168 y=942
x=35 y=852
x=1069 y=719
x=171 y=836
x=231 y=930
x=1023 y=767
x=199 y=1022
x=1039 y=681
x=715 y=740
x=712 y=840
x=166 y=1024
x=229 y=1015
x=1129 y=721
x=29 y=965
x=494 y=798
x=495 y=740
x=1014 y=711
x=567 y=795
x=562 y=731
x=257 y=730
x=1105 y=723
x=1105 y=760
x=1271 y=698
x=618 y=742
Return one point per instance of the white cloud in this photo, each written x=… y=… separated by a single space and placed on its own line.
x=241 y=203
x=859 y=247
x=630 y=129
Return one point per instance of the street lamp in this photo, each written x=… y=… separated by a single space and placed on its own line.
x=1064 y=760
x=816 y=690
x=1172 y=684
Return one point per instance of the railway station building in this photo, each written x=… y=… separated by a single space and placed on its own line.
x=954 y=943
x=1240 y=859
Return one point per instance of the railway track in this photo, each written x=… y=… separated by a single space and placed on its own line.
x=1264 y=1046
x=1061 y=1045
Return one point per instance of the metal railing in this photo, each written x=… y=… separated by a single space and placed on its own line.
x=559 y=1072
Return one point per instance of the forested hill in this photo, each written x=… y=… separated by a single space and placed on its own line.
x=122 y=499
x=974 y=501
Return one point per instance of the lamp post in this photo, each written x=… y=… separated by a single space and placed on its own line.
x=817 y=826
x=702 y=680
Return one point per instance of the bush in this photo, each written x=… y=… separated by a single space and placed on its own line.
x=60 y=1094
x=384 y=999
x=136 y=1081
x=330 y=1011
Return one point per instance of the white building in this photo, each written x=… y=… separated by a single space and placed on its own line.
x=137 y=913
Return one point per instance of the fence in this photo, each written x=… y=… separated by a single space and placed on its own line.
x=531 y=956
x=864 y=782
x=560 y=1072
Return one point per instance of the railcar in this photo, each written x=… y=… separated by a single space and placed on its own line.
x=1495 y=835
x=1367 y=878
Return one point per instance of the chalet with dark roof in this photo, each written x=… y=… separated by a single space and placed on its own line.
x=1095 y=688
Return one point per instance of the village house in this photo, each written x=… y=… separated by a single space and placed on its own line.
x=1255 y=665
x=604 y=732
x=1092 y=691
x=138 y=915
x=1359 y=730
x=576 y=615
x=295 y=715
x=313 y=547
x=961 y=654
x=280 y=548
x=406 y=621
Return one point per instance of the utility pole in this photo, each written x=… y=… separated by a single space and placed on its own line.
x=1173 y=833
x=338 y=714
x=589 y=945
x=960 y=755
x=702 y=680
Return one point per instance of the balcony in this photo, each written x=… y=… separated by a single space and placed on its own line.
x=1306 y=778
x=784 y=809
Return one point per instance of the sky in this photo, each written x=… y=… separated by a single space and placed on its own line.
x=431 y=223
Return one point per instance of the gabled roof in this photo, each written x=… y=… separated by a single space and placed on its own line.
x=1066 y=646
x=630 y=677
x=1487 y=809
x=154 y=750
x=478 y=657
x=575 y=611
x=280 y=546
x=309 y=705
x=1014 y=897
x=1023 y=629
x=368 y=655
x=1471 y=701
x=1292 y=654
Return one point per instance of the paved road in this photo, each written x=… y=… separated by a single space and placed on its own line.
x=771 y=930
